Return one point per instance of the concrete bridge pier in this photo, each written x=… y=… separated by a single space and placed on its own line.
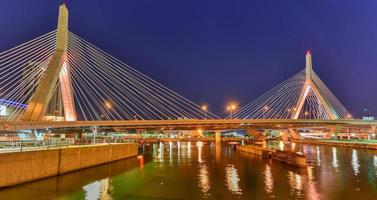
x=218 y=136
x=373 y=129
x=285 y=136
x=294 y=134
x=334 y=130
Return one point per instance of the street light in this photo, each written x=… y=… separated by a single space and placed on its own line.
x=108 y=107
x=108 y=104
x=265 y=109
x=231 y=108
x=205 y=110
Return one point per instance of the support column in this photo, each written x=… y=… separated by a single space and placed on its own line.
x=373 y=129
x=334 y=130
x=294 y=134
x=218 y=136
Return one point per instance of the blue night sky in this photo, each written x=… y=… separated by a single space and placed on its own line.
x=215 y=51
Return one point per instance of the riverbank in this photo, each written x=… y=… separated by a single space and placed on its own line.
x=21 y=167
x=340 y=143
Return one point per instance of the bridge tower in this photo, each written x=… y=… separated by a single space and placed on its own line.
x=311 y=85
x=56 y=71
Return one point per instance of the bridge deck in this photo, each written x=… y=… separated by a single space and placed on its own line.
x=190 y=124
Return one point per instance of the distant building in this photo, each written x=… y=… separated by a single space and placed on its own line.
x=368 y=118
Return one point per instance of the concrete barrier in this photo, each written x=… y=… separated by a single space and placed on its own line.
x=21 y=167
x=284 y=156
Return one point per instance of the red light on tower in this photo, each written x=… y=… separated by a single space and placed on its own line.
x=308 y=52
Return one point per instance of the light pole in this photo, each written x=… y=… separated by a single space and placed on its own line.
x=108 y=106
x=205 y=110
x=231 y=108
x=265 y=109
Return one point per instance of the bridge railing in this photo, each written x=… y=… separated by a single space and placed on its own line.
x=32 y=145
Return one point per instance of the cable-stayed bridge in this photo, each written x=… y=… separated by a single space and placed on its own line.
x=59 y=80
x=60 y=74
x=302 y=96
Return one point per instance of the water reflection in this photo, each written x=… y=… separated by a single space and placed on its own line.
x=189 y=149
x=204 y=182
x=232 y=179
x=318 y=157
x=355 y=162
x=296 y=183
x=200 y=146
x=214 y=172
x=98 y=190
x=268 y=180
x=312 y=190
x=218 y=152
x=334 y=159
x=179 y=150
x=170 y=151
x=375 y=163
x=161 y=150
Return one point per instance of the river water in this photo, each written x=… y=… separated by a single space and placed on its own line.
x=198 y=170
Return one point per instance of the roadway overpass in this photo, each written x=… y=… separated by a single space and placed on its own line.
x=191 y=124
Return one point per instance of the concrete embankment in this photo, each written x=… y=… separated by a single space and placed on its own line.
x=338 y=143
x=21 y=167
x=284 y=156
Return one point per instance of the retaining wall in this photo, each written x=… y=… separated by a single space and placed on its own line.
x=21 y=167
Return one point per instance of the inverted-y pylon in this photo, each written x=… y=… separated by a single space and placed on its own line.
x=310 y=85
x=302 y=96
x=57 y=69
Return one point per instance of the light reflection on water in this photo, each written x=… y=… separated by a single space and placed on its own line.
x=296 y=183
x=179 y=150
x=334 y=159
x=98 y=190
x=268 y=180
x=375 y=163
x=318 y=157
x=204 y=181
x=232 y=179
x=200 y=146
x=355 y=162
x=312 y=187
x=170 y=151
x=161 y=151
x=189 y=149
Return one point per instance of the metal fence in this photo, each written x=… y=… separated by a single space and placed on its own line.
x=30 y=145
